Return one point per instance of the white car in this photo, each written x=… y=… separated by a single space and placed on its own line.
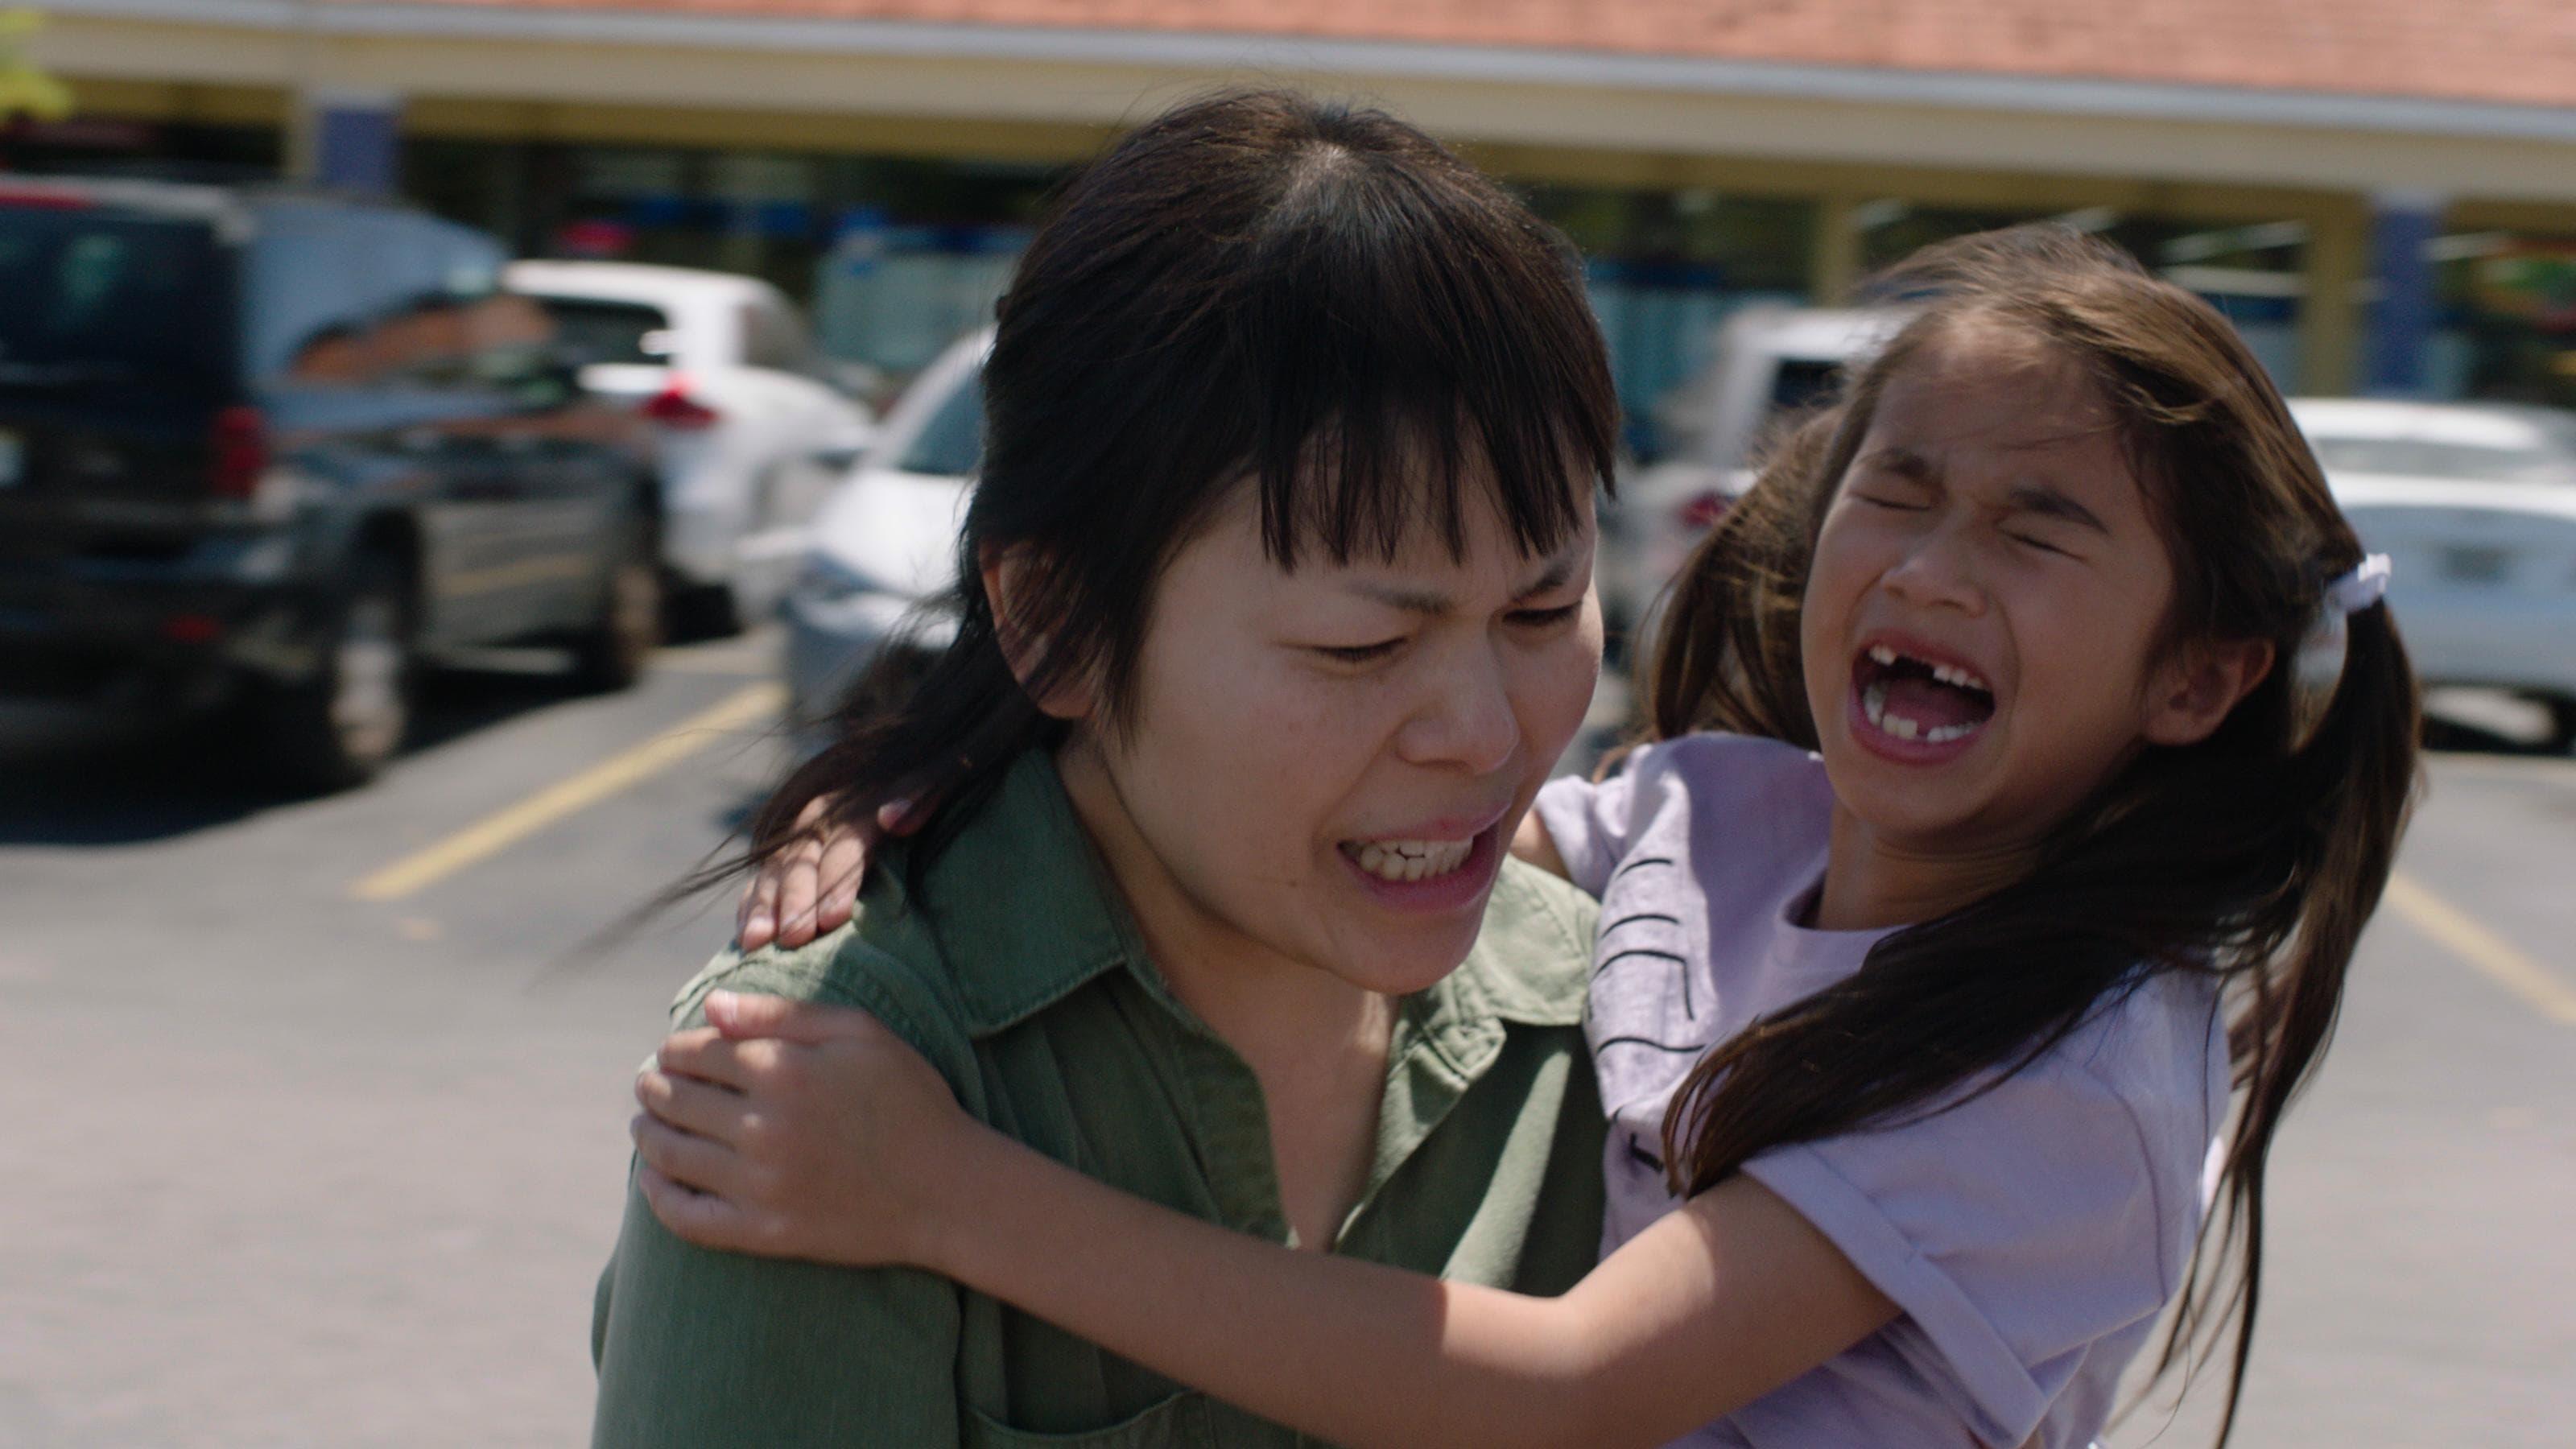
x=752 y=429
x=885 y=544
x=2475 y=505
x=1768 y=362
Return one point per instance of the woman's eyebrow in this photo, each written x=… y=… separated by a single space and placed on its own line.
x=1433 y=603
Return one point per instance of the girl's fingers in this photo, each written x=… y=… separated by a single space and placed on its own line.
x=756 y=920
x=844 y=861
x=684 y=1157
x=692 y=1216
x=692 y=1106
x=702 y=1052
x=796 y=868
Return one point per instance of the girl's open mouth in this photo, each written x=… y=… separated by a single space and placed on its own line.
x=1907 y=700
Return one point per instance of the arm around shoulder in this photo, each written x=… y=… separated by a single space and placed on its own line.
x=697 y=1346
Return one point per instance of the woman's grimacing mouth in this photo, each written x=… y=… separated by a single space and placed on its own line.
x=1424 y=851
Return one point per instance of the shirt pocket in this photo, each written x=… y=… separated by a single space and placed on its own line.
x=1183 y=1421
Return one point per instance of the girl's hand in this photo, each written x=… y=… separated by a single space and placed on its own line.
x=792 y=1130
x=811 y=886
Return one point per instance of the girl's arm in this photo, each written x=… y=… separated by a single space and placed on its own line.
x=1724 y=1300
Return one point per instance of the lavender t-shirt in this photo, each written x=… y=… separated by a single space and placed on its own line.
x=2030 y=1234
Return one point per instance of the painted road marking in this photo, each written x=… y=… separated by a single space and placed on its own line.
x=495 y=833
x=2494 y=957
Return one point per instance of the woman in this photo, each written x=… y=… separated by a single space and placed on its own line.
x=1276 y=611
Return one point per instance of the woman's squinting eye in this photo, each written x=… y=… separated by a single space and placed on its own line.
x=1547 y=618
x=1359 y=653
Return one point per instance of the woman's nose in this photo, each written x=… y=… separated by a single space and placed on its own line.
x=1469 y=721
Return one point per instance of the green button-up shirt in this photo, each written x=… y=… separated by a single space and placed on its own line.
x=1020 y=974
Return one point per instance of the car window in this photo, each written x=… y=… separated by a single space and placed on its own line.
x=596 y=331
x=2430 y=458
x=342 y=296
x=96 y=299
x=774 y=338
x=951 y=444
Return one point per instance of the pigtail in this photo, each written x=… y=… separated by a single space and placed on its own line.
x=2356 y=780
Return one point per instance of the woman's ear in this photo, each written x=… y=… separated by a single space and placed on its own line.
x=1011 y=583
x=2195 y=688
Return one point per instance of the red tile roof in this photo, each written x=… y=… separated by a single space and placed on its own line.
x=2511 y=51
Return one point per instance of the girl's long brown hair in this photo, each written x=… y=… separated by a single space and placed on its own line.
x=2240 y=858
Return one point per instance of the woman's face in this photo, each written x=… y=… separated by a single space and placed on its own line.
x=1323 y=768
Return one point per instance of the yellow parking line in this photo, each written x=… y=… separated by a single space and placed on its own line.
x=498 y=832
x=2495 y=957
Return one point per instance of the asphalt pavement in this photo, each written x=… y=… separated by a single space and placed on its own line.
x=315 y=1109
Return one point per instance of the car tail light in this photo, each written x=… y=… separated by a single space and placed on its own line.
x=239 y=439
x=672 y=407
x=1701 y=511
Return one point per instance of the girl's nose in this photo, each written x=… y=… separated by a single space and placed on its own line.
x=1938 y=572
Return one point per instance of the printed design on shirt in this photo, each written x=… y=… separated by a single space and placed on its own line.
x=1644 y=941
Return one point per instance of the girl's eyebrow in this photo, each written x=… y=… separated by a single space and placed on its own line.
x=2049 y=502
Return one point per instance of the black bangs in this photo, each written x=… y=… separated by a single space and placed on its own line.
x=1404 y=348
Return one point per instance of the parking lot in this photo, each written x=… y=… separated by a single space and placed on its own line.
x=316 y=1107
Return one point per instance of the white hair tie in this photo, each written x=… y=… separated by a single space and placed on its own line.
x=2316 y=671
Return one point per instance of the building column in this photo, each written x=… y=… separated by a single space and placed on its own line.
x=351 y=141
x=2403 y=225
x=2337 y=262
x=1834 y=268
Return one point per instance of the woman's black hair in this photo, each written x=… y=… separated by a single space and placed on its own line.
x=1261 y=286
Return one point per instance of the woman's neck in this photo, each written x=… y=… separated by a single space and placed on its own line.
x=1317 y=1044
x=1874 y=883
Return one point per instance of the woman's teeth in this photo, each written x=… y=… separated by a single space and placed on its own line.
x=1410 y=860
x=1873 y=703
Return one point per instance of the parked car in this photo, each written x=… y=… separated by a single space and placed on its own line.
x=2475 y=505
x=885 y=545
x=1768 y=363
x=275 y=450
x=754 y=425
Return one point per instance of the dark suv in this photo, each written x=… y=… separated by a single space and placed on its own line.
x=276 y=451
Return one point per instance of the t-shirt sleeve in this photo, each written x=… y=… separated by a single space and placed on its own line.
x=2013 y=1229
x=1593 y=823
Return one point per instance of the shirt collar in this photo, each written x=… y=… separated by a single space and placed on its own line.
x=1025 y=905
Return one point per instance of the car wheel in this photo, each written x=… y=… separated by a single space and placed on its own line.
x=341 y=728
x=2562 y=725
x=612 y=653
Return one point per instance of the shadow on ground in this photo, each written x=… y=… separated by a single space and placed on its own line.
x=69 y=780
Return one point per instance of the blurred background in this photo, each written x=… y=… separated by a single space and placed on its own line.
x=451 y=449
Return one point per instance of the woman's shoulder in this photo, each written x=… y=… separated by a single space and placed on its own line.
x=1534 y=951
x=908 y=990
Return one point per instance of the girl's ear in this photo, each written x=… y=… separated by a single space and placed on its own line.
x=2193 y=690
x=1010 y=578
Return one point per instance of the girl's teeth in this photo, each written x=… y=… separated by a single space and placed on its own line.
x=1881 y=654
x=1873 y=706
x=1412 y=860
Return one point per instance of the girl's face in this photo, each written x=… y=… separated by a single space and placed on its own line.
x=1982 y=622
x=1323 y=768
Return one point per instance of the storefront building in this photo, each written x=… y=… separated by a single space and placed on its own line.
x=2381 y=193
